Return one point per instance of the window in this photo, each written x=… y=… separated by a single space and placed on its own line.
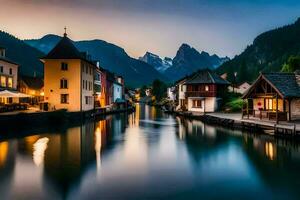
x=88 y=100
x=197 y=103
x=10 y=71
x=269 y=104
x=83 y=86
x=181 y=88
x=86 y=84
x=90 y=71
x=206 y=88
x=3 y=81
x=63 y=83
x=87 y=69
x=1 y=69
x=83 y=67
x=64 y=66
x=64 y=98
x=10 y=82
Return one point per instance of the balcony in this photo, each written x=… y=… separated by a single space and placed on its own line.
x=200 y=94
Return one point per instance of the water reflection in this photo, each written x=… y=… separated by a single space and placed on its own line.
x=148 y=155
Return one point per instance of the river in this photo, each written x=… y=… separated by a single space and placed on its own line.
x=148 y=155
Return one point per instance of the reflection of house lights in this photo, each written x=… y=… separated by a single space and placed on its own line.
x=3 y=152
x=42 y=94
x=39 y=148
x=98 y=146
x=269 y=150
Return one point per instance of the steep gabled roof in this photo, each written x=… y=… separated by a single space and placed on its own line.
x=286 y=84
x=206 y=77
x=64 y=49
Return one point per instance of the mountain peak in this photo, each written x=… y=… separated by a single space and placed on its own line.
x=189 y=60
x=154 y=60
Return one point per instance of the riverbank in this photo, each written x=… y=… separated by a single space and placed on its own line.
x=235 y=121
x=24 y=122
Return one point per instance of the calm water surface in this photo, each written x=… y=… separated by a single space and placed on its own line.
x=148 y=155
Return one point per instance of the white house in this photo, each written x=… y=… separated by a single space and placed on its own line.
x=203 y=91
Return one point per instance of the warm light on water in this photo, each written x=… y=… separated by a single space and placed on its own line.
x=148 y=155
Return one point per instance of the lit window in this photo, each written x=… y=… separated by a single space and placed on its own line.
x=64 y=66
x=3 y=81
x=10 y=71
x=206 y=88
x=64 y=98
x=10 y=82
x=197 y=104
x=63 y=83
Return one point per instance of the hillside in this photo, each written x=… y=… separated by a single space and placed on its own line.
x=26 y=56
x=111 y=57
x=268 y=53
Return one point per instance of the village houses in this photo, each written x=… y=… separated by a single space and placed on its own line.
x=201 y=92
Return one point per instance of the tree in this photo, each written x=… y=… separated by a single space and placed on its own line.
x=143 y=91
x=292 y=64
x=159 y=89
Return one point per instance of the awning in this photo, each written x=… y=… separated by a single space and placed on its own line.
x=10 y=94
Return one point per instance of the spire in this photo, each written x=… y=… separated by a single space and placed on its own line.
x=65 y=34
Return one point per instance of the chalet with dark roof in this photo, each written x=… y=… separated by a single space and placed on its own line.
x=203 y=91
x=274 y=96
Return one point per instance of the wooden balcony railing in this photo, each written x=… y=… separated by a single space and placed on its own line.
x=200 y=94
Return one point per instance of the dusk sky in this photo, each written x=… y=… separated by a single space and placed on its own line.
x=224 y=27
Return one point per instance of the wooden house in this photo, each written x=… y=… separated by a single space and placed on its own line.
x=204 y=91
x=274 y=96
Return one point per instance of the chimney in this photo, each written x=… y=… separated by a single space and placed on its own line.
x=2 y=52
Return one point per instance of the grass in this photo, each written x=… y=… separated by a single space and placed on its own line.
x=234 y=104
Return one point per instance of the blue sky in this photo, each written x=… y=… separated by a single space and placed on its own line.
x=159 y=26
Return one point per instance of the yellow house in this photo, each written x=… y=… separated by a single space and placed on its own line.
x=68 y=78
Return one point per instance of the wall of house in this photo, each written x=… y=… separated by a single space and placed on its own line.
x=52 y=76
x=87 y=92
x=295 y=108
x=6 y=66
x=117 y=92
x=182 y=90
x=103 y=94
x=209 y=104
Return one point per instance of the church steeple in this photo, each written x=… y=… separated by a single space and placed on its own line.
x=65 y=34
